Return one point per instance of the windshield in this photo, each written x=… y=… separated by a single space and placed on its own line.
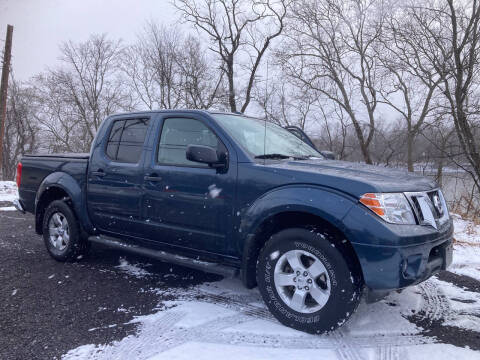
x=251 y=134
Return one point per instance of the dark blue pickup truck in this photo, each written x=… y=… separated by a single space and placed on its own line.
x=232 y=194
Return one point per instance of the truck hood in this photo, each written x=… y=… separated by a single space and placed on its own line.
x=354 y=178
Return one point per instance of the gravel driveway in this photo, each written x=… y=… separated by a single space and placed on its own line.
x=49 y=308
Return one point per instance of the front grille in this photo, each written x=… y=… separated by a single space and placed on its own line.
x=417 y=209
x=429 y=207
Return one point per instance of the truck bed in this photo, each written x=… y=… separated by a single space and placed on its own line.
x=36 y=167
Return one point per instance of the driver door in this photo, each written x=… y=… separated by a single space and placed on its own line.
x=187 y=204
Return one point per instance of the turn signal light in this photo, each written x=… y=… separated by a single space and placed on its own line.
x=371 y=201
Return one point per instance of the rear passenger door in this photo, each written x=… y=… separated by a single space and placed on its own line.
x=115 y=177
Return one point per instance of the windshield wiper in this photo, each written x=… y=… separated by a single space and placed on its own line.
x=272 y=156
x=283 y=156
x=302 y=157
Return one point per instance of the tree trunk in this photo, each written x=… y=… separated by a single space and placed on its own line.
x=410 y=139
x=361 y=140
x=231 y=86
x=440 y=172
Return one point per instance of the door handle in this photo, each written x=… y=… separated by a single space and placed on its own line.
x=152 y=178
x=99 y=173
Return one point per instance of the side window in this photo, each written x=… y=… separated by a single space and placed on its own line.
x=177 y=134
x=297 y=133
x=125 y=142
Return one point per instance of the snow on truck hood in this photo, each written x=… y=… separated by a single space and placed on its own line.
x=353 y=178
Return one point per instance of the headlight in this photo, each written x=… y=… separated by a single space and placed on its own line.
x=391 y=207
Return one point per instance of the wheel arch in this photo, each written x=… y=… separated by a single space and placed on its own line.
x=285 y=220
x=60 y=186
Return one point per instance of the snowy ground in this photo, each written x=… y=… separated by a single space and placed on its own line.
x=466 y=259
x=222 y=319
x=8 y=193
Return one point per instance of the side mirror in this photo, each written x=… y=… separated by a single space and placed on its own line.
x=204 y=155
x=330 y=155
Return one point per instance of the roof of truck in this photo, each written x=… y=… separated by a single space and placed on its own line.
x=179 y=110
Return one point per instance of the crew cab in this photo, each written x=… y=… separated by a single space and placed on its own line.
x=233 y=194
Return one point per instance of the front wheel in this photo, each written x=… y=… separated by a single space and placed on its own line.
x=61 y=233
x=306 y=281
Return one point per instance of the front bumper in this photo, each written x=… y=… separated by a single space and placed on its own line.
x=393 y=257
x=392 y=268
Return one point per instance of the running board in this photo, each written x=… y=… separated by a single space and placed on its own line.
x=209 y=267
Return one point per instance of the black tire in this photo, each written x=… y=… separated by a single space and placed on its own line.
x=345 y=286
x=77 y=246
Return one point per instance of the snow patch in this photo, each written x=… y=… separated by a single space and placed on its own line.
x=466 y=231
x=198 y=313
x=7 y=208
x=440 y=351
x=213 y=191
x=224 y=320
x=464 y=309
x=133 y=269
x=8 y=191
x=274 y=255
x=466 y=254
x=207 y=351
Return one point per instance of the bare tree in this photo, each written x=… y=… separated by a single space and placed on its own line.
x=440 y=135
x=202 y=81
x=285 y=104
x=21 y=130
x=335 y=132
x=461 y=89
x=165 y=70
x=410 y=82
x=331 y=51
x=160 y=47
x=141 y=75
x=452 y=48
x=240 y=32
x=74 y=98
x=60 y=121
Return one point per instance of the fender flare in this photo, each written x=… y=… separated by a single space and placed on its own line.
x=75 y=192
x=328 y=204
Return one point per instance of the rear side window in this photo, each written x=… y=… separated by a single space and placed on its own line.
x=177 y=134
x=126 y=138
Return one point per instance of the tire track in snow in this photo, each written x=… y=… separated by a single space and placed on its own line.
x=347 y=347
x=164 y=333
x=241 y=306
x=391 y=353
x=471 y=311
x=436 y=305
x=130 y=347
x=344 y=348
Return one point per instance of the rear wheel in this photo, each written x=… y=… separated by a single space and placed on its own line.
x=61 y=233
x=306 y=281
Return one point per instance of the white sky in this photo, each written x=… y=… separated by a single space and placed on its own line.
x=41 y=25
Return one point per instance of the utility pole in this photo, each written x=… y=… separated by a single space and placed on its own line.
x=7 y=55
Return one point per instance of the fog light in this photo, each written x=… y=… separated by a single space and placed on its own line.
x=411 y=266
